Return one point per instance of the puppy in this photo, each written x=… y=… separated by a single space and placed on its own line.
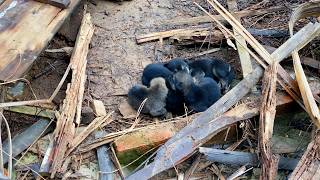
x=155 y=70
x=199 y=95
x=177 y=64
x=156 y=96
x=217 y=69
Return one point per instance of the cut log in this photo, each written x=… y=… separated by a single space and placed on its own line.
x=26 y=29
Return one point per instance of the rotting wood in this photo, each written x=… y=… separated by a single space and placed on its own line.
x=206 y=19
x=308 y=99
x=269 y=161
x=65 y=128
x=242 y=158
x=26 y=28
x=309 y=164
x=246 y=64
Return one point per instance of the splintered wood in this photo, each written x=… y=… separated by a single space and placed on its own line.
x=267 y=115
x=65 y=129
x=309 y=165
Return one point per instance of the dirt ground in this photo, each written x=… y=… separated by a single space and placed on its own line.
x=116 y=61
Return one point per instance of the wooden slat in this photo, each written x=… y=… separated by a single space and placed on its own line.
x=26 y=27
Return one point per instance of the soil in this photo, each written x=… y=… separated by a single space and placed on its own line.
x=116 y=61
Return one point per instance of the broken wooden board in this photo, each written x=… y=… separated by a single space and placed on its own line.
x=26 y=27
x=63 y=4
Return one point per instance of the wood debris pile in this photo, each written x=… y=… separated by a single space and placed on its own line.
x=60 y=142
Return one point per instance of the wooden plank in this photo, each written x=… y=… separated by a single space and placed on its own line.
x=241 y=14
x=57 y=3
x=26 y=27
x=244 y=56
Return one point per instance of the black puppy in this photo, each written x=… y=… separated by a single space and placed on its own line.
x=177 y=64
x=217 y=69
x=156 y=96
x=152 y=71
x=199 y=95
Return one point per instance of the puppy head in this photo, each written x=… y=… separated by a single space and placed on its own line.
x=182 y=80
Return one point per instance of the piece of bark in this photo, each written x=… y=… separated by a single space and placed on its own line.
x=71 y=108
x=309 y=165
x=26 y=30
x=242 y=158
x=267 y=114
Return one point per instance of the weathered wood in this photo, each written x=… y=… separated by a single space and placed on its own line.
x=23 y=140
x=240 y=14
x=308 y=99
x=269 y=161
x=98 y=108
x=26 y=28
x=192 y=168
x=242 y=158
x=32 y=110
x=65 y=128
x=63 y=4
x=244 y=56
x=309 y=164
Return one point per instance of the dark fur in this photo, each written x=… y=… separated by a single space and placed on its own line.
x=152 y=71
x=156 y=94
x=217 y=69
x=177 y=64
x=198 y=96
